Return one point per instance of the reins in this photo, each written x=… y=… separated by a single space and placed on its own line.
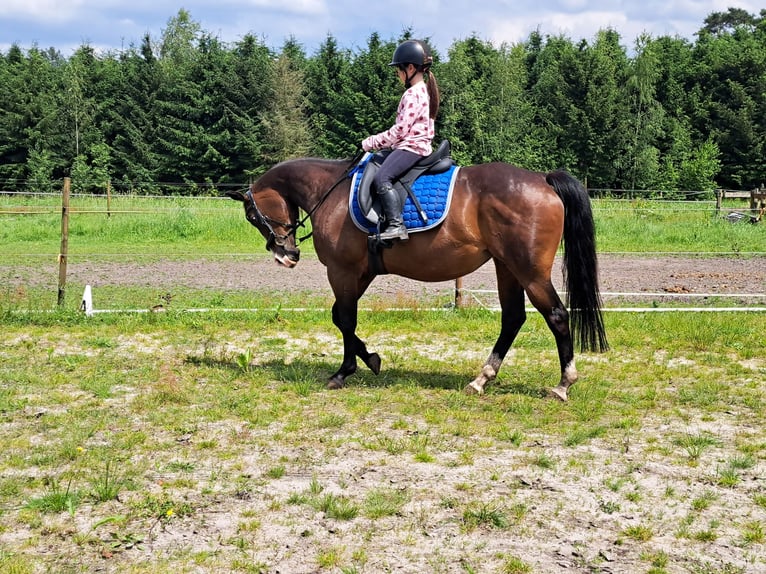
x=292 y=228
x=349 y=170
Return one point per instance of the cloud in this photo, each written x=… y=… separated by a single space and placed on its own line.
x=586 y=24
x=293 y=6
x=40 y=10
x=574 y=25
x=580 y=19
x=116 y=23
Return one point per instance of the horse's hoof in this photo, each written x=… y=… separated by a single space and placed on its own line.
x=335 y=383
x=471 y=389
x=373 y=363
x=559 y=393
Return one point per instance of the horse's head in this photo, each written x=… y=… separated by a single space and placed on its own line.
x=275 y=219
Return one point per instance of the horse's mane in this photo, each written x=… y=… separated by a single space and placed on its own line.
x=317 y=160
x=301 y=163
x=303 y=167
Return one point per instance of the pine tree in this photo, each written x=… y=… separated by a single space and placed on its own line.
x=330 y=108
x=130 y=124
x=249 y=92
x=601 y=132
x=285 y=125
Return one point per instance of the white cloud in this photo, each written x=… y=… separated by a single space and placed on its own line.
x=62 y=23
x=40 y=10
x=585 y=24
x=575 y=4
x=573 y=25
x=510 y=31
x=581 y=19
x=296 y=6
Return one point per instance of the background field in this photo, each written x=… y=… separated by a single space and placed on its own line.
x=206 y=442
x=149 y=237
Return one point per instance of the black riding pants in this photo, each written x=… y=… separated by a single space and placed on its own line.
x=395 y=165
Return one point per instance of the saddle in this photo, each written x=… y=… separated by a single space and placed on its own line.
x=438 y=162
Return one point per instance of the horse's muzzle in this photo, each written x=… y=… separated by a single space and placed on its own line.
x=287 y=257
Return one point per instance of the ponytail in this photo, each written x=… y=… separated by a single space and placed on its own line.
x=433 y=92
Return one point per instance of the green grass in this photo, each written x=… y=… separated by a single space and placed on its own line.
x=645 y=226
x=166 y=431
x=639 y=533
x=104 y=407
x=151 y=227
x=485 y=515
x=137 y=225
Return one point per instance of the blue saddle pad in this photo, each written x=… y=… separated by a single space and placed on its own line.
x=433 y=191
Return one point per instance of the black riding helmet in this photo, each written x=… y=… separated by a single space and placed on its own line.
x=412 y=52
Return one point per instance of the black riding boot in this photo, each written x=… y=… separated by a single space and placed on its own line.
x=392 y=208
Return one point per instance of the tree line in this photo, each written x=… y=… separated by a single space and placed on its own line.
x=668 y=114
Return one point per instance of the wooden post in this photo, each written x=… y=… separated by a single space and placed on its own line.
x=109 y=198
x=758 y=202
x=458 y=292
x=64 y=240
x=718 y=197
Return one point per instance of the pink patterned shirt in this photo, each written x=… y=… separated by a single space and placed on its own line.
x=413 y=130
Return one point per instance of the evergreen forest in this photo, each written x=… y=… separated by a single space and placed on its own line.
x=186 y=112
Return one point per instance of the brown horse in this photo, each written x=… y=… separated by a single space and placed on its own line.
x=515 y=217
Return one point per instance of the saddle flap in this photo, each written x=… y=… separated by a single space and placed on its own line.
x=365 y=196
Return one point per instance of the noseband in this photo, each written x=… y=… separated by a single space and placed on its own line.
x=256 y=217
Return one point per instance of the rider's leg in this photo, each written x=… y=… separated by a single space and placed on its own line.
x=397 y=163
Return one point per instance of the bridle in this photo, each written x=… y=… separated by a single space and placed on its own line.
x=258 y=218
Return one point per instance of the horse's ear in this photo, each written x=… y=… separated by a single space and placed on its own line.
x=238 y=195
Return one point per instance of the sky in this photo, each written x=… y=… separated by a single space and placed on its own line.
x=117 y=24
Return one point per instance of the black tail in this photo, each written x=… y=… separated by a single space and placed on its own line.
x=580 y=263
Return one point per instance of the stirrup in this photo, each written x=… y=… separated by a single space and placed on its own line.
x=399 y=232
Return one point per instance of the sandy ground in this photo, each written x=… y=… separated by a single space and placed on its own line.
x=573 y=523
x=676 y=275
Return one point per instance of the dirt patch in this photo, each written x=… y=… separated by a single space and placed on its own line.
x=618 y=505
x=615 y=504
x=618 y=274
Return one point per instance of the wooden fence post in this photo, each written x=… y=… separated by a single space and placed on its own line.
x=758 y=202
x=458 y=292
x=109 y=198
x=64 y=241
x=718 y=198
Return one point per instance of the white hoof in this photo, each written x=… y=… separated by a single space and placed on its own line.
x=473 y=388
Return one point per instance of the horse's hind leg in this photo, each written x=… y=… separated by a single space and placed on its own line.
x=545 y=299
x=511 y=296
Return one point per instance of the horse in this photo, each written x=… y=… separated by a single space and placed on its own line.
x=516 y=217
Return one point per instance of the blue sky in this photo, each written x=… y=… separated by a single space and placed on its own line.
x=113 y=24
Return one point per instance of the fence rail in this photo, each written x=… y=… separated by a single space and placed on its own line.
x=112 y=207
x=756 y=197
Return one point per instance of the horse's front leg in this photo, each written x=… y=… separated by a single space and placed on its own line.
x=344 y=316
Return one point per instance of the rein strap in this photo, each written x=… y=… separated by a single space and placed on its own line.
x=302 y=222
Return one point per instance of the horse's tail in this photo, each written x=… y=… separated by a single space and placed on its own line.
x=580 y=264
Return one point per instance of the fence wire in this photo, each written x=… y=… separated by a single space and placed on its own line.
x=605 y=202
